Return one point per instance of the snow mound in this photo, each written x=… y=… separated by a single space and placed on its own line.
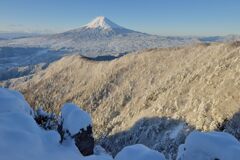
x=13 y=101
x=95 y=157
x=139 y=152
x=22 y=139
x=102 y=22
x=209 y=146
x=74 y=119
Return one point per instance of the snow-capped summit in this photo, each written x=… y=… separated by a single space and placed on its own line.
x=102 y=22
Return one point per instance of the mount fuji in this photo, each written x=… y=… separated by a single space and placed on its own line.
x=104 y=23
x=100 y=37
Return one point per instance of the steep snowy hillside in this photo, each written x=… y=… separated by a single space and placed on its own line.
x=23 y=138
x=177 y=89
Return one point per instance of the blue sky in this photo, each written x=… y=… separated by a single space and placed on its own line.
x=164 y=17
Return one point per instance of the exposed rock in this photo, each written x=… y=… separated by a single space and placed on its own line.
x=84 y=141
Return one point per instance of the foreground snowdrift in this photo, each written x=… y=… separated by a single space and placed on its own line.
x=209 y=146
x=22 y=139
x=138 y=152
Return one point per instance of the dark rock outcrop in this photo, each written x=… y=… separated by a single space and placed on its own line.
x=84 y=141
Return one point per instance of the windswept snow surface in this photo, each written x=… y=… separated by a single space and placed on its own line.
x=74 y=119
x=209 y=146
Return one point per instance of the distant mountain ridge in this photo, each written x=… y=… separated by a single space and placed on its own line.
x=100 y=37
